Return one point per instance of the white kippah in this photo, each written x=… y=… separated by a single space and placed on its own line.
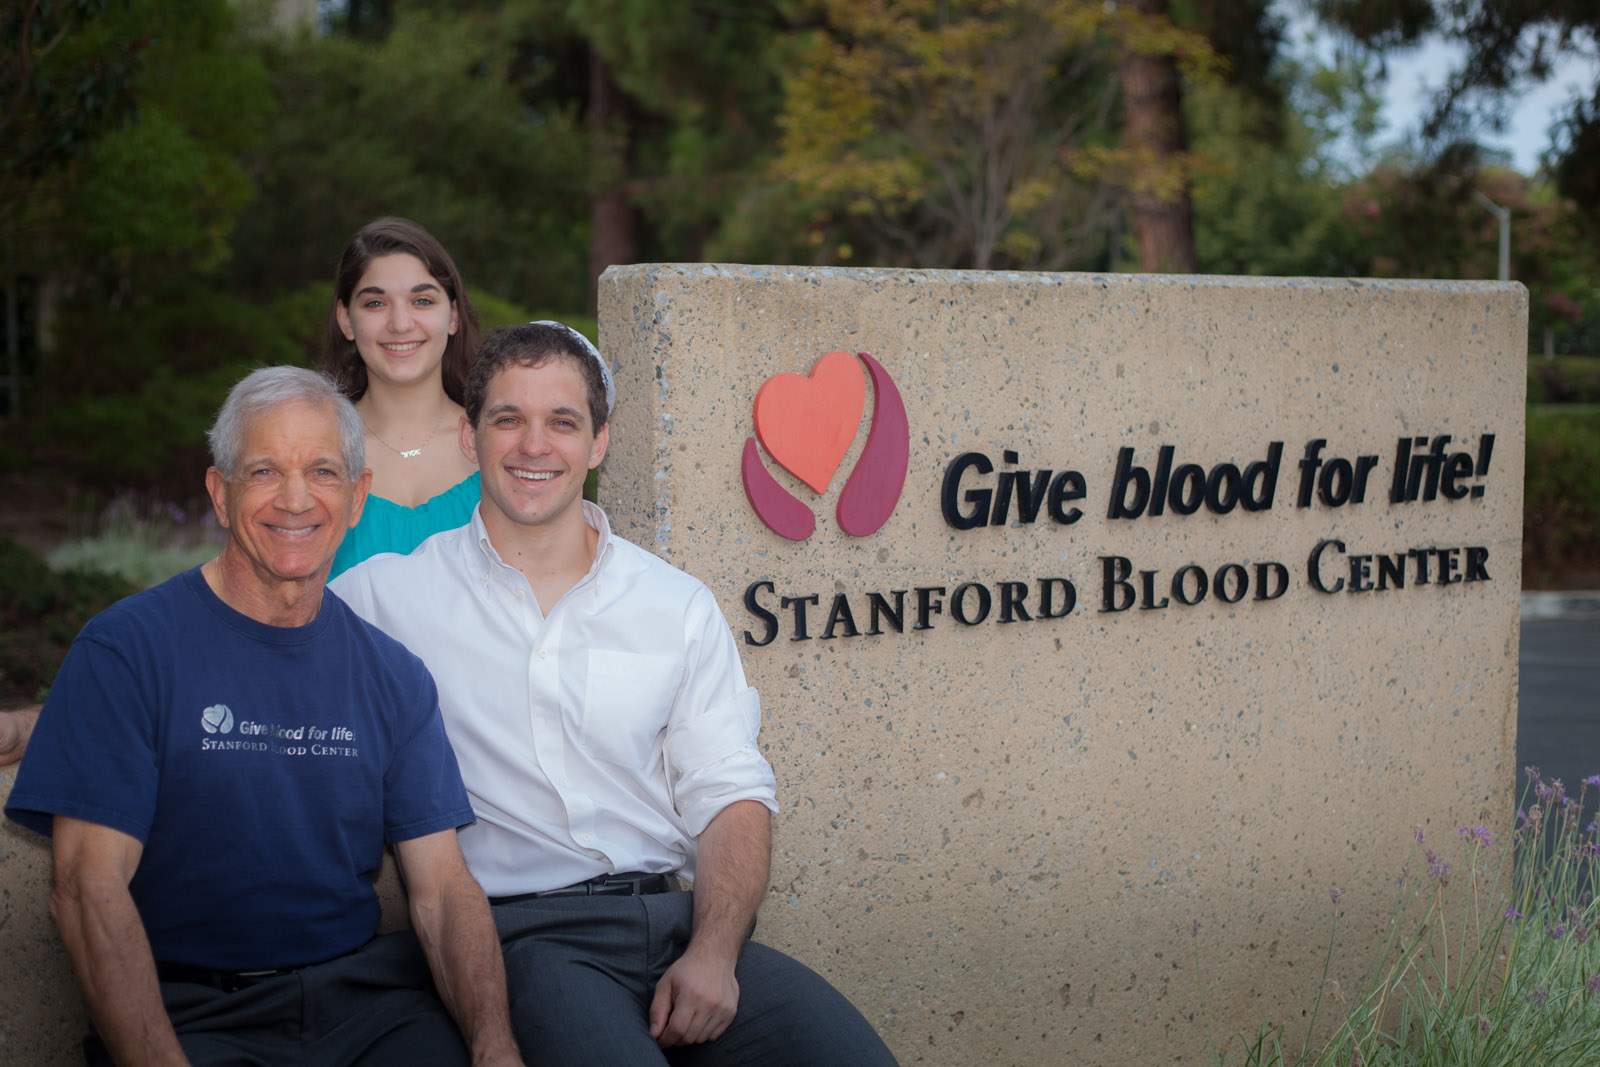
x=605 y=371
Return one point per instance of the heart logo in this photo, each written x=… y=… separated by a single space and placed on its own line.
x=807 y=423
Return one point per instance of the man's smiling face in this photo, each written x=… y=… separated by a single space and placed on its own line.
x=534 y=444
x=287 y=506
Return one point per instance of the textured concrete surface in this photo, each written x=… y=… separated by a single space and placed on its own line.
x=997 y=838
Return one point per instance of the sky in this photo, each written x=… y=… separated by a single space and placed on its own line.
x=1415 y=73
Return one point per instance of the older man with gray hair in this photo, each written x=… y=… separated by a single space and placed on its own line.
x=221 y=761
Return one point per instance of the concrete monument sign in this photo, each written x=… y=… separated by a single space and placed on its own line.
x=1085 y=609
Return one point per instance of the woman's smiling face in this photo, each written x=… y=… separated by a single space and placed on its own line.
x=400 y=318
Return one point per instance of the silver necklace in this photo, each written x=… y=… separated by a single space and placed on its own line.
x=407 y=453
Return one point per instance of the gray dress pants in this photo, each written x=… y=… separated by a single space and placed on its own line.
x=582 y=971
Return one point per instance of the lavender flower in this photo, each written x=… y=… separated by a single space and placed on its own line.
x=1539 y=995
x=1593 y=984
x=1421 y=837
x=1593 y=779
x=1484 y=1026
x=1405 y=875
x=1335 y=895
x=1194 y=931
x=1438 y=868
x=1513 y=913
x=1481 y=833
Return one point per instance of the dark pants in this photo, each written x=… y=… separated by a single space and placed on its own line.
x=582 y=971
x=372 y=1007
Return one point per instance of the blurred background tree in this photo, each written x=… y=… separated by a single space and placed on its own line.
x=177 y=176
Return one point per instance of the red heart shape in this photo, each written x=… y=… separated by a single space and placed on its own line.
x=807 y=423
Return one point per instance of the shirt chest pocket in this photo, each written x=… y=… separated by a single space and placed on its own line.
x=627 y=698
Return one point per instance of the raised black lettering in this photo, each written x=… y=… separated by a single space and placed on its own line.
x=840 y=614
x=1068 y=486
x=1314 y=566
x=958 y=603
x=1128 y=476
x=1477 y=556
x=768 y=619
x=1114 y=572
x=927 y=606
x=1069 y=598
x=1012 y=597
x=1180 y=584
x=799 y=604
x=978 y=498
x=879 y=608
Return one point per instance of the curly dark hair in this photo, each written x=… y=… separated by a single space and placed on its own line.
x=533 y=345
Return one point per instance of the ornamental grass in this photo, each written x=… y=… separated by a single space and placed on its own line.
x=1490 y=955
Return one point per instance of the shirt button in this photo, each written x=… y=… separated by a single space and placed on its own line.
x=562 y=783
x=587 y=838
x=541 y=653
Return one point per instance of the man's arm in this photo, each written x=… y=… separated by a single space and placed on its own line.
x=106 y=940
x=697 y=996
x=451 y=918
x=15 y=729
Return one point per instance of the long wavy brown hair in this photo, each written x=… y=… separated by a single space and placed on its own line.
x=389 y=236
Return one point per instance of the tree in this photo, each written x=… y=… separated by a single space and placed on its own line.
x=1509 y=44
x=947 y=128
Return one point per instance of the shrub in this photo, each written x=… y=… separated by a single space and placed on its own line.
x=1561 y=497
x=1492 y=961
x=41 y=611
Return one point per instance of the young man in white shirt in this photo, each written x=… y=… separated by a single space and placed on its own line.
x=595 y=700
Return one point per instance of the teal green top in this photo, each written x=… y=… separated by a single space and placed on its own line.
x=389 y=527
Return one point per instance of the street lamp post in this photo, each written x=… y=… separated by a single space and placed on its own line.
x=1504 y=215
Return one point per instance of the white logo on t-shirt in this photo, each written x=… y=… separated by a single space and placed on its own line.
x=217 y=719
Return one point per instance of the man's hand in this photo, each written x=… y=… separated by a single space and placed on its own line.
x=695 y=1000
x=15 y=729
x=697 y=996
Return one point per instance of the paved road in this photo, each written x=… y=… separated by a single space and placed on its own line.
x=1558 y=716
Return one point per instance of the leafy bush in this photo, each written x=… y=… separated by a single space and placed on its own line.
x=1564 y=380
x=41 y=611
x=1561 y=496
x=126 y=399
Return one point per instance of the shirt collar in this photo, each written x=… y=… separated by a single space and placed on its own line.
x=592 y=514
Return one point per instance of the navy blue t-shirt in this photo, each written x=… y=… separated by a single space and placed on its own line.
x=263 y=768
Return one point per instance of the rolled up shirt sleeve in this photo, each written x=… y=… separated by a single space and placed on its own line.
x=713 y=757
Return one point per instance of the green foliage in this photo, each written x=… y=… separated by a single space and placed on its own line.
x=41 y=611
x=1490 y=956
x=424 y=123
x=1561 y=497
x=1564 y=380
x=128 y=397
x=1265 y=202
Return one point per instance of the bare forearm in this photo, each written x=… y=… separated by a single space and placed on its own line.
x=458 y=936
x=105 y=939
x=731 y=873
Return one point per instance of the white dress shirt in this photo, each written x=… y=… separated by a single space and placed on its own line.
x=598 y=738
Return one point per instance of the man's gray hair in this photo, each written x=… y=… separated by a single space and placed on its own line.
x=269 y=388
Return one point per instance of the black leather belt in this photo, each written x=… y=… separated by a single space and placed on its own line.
x=227 y=981
x=629 y=884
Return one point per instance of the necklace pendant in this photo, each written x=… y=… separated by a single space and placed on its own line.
x=411 y=453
